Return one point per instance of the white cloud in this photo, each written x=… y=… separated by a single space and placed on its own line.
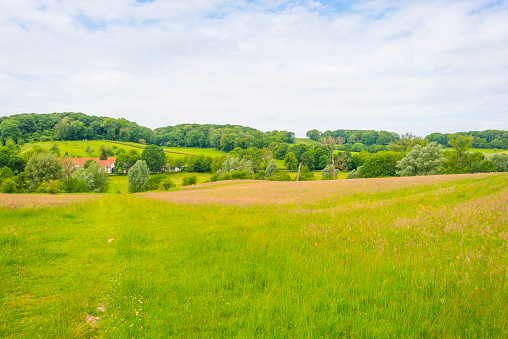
x=402 y=66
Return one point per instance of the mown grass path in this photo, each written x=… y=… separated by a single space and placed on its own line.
x=395 y=259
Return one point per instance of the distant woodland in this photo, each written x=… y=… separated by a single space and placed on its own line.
x=78 y=126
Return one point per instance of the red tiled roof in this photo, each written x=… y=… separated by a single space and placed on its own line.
x=103 y=163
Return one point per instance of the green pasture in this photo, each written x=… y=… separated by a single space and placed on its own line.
x=77 y=148
x=371 y=258
x=307 y=142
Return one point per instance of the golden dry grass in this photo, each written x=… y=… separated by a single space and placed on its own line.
x=244 y=192
x=15 y=201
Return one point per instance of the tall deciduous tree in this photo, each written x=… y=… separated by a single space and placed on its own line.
x=291 y=162
x=501 y=162
x=154 y=157
x=426 y=160
x=329 y=144
x=42 y=167
x=271 y=169
x=138 y=177
x=9 y=129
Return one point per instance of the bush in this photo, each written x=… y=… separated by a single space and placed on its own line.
x=354 y=174
x=155 y=180
x=74 y=185
x=261 y=175
x=50 y=186
x=281 y=176
x=305 y=174
x=187 y=181
x=327 y=173
x=8 y=186
x=166 y=184
x=487 y=166
x=215 y=177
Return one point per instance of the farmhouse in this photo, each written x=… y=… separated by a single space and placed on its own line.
x=108 y=164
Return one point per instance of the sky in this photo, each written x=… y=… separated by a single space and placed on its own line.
x=418 y=66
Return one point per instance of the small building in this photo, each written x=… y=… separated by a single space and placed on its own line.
x=108 y=164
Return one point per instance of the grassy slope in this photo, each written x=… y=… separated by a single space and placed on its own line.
x=77 y=149
x=396 y=257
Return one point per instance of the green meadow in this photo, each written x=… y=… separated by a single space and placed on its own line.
x=421 y=257
x=77 y=148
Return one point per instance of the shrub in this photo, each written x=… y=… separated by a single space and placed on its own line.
x=354 y=174
x=281 y=176
x=74 y=185
x=327 y=173
x=261 y=175
x=155 y=180
x=187 y=181
x=50 y=186
x=487 y=166
x=305 y=174
x=8 y=186
x=166 y=184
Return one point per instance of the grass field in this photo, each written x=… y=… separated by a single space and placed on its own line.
x=77 y=149
x=421 y=257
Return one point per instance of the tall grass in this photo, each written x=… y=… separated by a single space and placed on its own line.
x=397 y=257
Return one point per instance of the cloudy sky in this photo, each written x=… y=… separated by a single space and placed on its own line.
x=412 y=65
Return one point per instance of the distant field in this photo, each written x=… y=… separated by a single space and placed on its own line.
x=488 y=153
x=419 y=257
x=77 y=149
x=306 y=141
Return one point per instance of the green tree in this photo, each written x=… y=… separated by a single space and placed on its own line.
x=55 y=150
x=104 y=155
x=313 y=134
x=308 y=160
x=43 y=167
x=9 y=129
x=501 y=162
x=8 y=186
x=137 y=177
x=487 y=166
x=154 y=157
x=50 y=186
x=74 y=185
x=354 y=174
x=329 y=144
x=305 y=174
x=461 y=145
x=426 y=160
x=291 y=162
x=89 y=150
x=271 y=169
x=230 y=164
x=94 y=176
x=327 y=173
